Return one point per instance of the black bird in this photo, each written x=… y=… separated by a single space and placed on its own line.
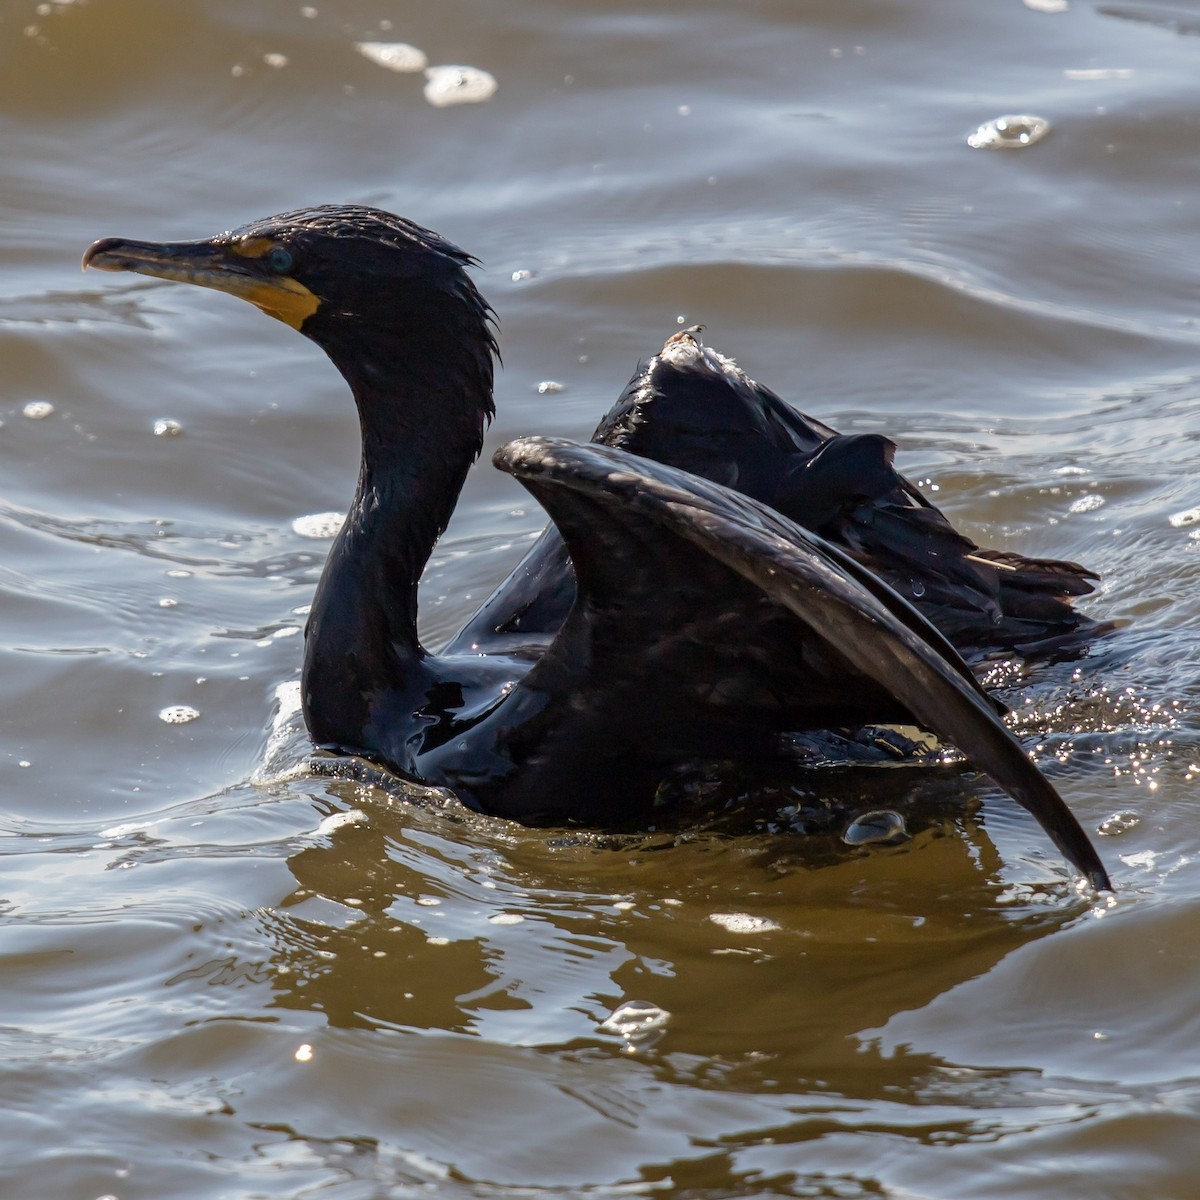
x=693 y=408
x=705 y=624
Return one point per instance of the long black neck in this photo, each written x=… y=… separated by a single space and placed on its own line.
x=423 y=400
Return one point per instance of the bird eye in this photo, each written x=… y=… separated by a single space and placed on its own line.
x=280 y=260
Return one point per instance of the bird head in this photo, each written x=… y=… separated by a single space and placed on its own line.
x=369 y=287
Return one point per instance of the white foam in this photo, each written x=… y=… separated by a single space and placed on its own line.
x=743 y=922
x=321 y=526
x=395 y=56
x=449 y=85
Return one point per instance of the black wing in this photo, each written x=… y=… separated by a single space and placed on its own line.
x=692 y=408
x=705 y=624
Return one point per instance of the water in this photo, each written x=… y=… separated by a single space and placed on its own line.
x=226 y=978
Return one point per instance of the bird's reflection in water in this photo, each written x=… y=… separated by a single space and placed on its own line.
x=435 y=919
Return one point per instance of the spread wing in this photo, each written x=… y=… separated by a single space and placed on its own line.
x=692 y=408
x=706 y=621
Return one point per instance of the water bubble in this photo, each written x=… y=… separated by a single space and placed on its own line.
x=1180 y=520
x=506 y=918
x=743 y=922
x=549 y=386
x=881 y=827
x=1048 y=6
x=1088 y=503
x=458 y=85
x=277 y=61
x=178 y=714
x=1119 y=823
x=639 y=1022
x=166 y=427
x=36 y=410
x=918 y=588
x=521 y=276
x=395 y=56
x=1009 y=132
x=319 y=525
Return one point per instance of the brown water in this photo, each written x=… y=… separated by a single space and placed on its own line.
x=222 y=978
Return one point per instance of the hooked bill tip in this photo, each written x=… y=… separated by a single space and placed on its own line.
x=96 y=251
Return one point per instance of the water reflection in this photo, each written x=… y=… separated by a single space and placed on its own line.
x=408 y=918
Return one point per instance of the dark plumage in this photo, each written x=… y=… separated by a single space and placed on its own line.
x=694 y=409
x=705 y=625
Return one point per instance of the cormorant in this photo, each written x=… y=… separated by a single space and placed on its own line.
x=704 y=626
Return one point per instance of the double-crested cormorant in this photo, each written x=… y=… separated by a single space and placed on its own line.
x=704 y=625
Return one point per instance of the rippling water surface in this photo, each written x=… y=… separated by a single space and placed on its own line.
x=226 y=978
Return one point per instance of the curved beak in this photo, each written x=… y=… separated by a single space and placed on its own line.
x=215 y=263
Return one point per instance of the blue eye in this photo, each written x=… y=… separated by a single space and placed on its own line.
x=280 y=259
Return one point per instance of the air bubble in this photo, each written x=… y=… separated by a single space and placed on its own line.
x=1009 y=133
x=166 y=427
x=639 y=1022
x=36 y=410
x=1085 y=504
x=549 y=387
x=882 y=827
x=1119 y=823
x=1181 y=520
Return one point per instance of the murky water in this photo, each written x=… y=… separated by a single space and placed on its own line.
x=222 y=978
